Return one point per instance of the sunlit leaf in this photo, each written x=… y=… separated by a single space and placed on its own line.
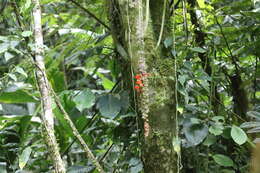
x=18 y=96
x=24 y=157
x=238 y=135
x=198 y=49
x=201 y=3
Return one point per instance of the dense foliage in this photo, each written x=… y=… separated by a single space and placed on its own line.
x=216 y=45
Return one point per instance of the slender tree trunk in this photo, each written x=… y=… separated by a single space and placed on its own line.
x=140 y=33
x=47 y=114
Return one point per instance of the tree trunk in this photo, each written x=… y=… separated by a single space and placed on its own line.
x=47 y=115
x=141 y=36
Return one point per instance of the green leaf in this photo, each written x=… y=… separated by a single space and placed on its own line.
x=107 y=84
x=8 y=56
x=211 y=139
x=3 y=167
x=27 y=33
x=79 y=169
x=26 y=6
x=109 y=106
x=21 y=71
x=201 y=3
x=227 y=171
x=195 y=133
x=238 y=135
x=84 y=100
x=136 y=165
x=216 y=129
x=121 y=51
x=223 y=160
x=24 y=157
x=168 y=42
x=198 y=49
x=18 y=96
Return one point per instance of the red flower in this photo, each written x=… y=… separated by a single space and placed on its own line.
x=138 y=82
x=138 y=76
x=137 y=87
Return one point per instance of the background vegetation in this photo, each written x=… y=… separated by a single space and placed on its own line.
x=216 y=46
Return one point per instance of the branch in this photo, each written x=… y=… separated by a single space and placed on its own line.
x=90 y=14
x=233 y=58
x=90 y=121
x=77 y=134
x=46 y=101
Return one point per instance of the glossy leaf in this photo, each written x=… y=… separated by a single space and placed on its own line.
x=24 y=157
x=84 y=99
x=238 y=135
x=109 y=106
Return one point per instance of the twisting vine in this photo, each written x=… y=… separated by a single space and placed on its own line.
x=162 y=25
x=147 y=16
x=177 y=141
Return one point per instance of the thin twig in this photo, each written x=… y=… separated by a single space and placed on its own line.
x=233 y=58
x=89 y=122
x=90 y=14
x=76 y=133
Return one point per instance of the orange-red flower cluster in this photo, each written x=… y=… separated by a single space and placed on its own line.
x=139 y=82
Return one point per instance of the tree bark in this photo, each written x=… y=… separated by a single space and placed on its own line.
x=141 y=37
x=47 y=114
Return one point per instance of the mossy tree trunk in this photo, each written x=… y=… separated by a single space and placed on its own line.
x=139 y=29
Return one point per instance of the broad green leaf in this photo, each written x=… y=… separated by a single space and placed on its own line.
x=211 y=139
x=250 y=124
x=223 y=160
x=227 y=171
x=3 y=47
x=254 y=114
x=26 y=6
x=137 y=168
x=109 y=106
x=8 y=56
x=84 y=100
x=3 y=167
x=136 y=165
x=18 y=96
x=198 y=49
x=24 y=157
x=216 y=129
x=27 y=33
x=201 y=3
x=21 y=71
x=107 y=84
x=238 y=135
x=168 y=42
x=195 y=133
x=14 y=118
x=79 y=169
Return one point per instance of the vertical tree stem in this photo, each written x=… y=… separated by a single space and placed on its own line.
x=47 y=114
